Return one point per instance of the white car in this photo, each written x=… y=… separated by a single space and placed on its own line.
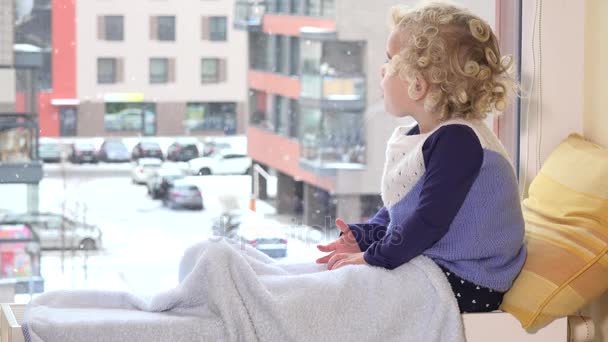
x=144 y=169
x=224 y=162
x=215 y=144
x=49 y=227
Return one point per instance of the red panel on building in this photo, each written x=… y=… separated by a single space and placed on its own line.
x=48 y=117
x=64 y=48
x=282 y=154
x=289 y=25
x=274 y=84
x=20 y=102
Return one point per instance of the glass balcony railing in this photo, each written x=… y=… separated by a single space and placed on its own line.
x=332 y=88
x=249 y=14
x=331 y=139
x=324 y=153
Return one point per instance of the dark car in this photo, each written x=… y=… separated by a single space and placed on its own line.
x=160 y=182
x=182 y=151
x=146 y=149
x=82 y=152
x=183 y=195
x=113 y=151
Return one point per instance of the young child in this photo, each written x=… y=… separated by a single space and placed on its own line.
x=448 y=188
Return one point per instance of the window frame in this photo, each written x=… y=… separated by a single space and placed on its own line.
x=207 y=78
x=215 y=22
x=162 y=35
x=156 y=79
x=109 y=80
x=108 y=31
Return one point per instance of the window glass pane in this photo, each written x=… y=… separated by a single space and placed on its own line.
x=258 y=51
x=106 y=70
x=320 y=8
x=258 y=108
x=342 y=140
x=166 y=28
x=126 y=116
x=114 y=27
x=310 y=131
x=211 y=117
x=209 y=70
x=159 y=72
x=301 y=102
x=16 y=144
x=294 y=58
x=281 y=115
x=217 y=29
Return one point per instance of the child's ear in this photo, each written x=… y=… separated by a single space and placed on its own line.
x=418 y=89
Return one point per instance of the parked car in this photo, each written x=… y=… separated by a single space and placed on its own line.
x=113 y=151
x=160 y=181
x=183 y=150
x=82 y=152
x=147 y=149
x=48 y=227
x=49 y=150
x=222 y=163
x=144 y=169
x=245 y=226
x=181 y=194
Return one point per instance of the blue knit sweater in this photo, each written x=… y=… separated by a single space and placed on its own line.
x=450 y=194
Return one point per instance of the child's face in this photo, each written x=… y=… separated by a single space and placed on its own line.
x=397 y=100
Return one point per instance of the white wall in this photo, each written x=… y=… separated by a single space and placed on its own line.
x=137 y=48
x=7 y=86
x=550 y=116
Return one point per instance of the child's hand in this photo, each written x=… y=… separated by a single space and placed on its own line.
x=344 y=244
x=343 y=259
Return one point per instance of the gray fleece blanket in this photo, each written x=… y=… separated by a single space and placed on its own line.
x=232 y=292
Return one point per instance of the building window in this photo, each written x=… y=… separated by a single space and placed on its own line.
x=296 y=7
x=281 y=6
x=162 y=28
x=294 y=56
x=258 y=49
x=109 y=70
x=110 y=27
x=320 y=8
x=17 y=142
x=280 y=52
x=213 y=70
x=259 y=115
x=294 y=117
x=211 y=117
x=162 y=70
x=217 y=28
x=127 y=116
x=331 y=136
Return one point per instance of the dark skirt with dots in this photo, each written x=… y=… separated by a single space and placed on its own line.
x=472 y=297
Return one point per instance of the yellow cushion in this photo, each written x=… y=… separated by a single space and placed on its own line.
x=566 y=217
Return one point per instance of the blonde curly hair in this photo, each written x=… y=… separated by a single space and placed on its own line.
x=457 y=53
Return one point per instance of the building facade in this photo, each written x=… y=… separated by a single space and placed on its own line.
x=316 y=112
x=151 y=68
